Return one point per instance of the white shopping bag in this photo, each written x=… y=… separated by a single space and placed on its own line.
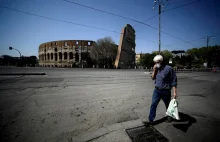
x=172 y=110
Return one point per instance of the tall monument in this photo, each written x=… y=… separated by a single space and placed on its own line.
x=125 y=58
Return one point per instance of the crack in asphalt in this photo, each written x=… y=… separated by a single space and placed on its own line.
x=195 y=95
x=100 y=136
x=11 y=78
x=17 y=113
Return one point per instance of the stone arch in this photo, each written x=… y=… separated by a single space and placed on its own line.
x=45 y=55
x=55 y=56
x=71 y=55
x=77 y=57
x=48 y=56
x=60 y=55
x=65 y=55
x=51 y=56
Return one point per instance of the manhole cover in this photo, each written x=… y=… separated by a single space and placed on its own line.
x=145 y=134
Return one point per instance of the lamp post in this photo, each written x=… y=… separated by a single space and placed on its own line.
x=10 y=48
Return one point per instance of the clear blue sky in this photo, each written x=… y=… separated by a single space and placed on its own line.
x=26 y=32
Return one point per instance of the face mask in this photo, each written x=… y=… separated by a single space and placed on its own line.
x=158 y=65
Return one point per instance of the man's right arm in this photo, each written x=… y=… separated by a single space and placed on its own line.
x=153 y=76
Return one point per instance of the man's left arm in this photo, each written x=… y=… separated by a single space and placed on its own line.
x=174 y=83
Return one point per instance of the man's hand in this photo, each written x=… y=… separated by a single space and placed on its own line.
x=155 y=67
x=154 y=72
x=174 y=95
x=174 y=92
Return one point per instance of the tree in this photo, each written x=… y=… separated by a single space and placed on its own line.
x=147 y=60
x=200 y=55
x=167 y=56
x=104 y=52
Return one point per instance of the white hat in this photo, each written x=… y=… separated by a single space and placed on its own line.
x=158 y=58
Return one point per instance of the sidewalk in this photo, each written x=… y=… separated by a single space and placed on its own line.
x=191 y=129
x=199 y=113
x=115 y=132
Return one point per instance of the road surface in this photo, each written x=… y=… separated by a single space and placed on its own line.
x=68 y=102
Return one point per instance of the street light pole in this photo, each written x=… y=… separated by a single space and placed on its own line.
x=10 y=48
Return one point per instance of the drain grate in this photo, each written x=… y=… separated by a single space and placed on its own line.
x=145 y=134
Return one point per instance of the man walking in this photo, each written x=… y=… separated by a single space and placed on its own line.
x=165 y=79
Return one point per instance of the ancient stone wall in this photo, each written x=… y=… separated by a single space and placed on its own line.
x=63 y=53
x=126 y=50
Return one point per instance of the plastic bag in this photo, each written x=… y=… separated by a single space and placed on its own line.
x=172 y=110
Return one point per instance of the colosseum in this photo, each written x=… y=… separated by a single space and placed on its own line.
x=63 y=53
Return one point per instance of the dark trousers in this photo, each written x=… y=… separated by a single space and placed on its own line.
x=165 y=95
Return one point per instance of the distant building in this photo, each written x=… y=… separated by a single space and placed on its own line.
x=6 y=60
x=125 y=57
x=137 y=58
x=179 y=53
x=63 y=53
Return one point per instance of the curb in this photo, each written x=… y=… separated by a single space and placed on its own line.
x=92 y=135
x=8 y=74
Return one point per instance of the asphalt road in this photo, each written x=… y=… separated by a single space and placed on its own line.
x=68 y=102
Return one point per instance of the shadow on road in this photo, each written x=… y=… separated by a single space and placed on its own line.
x=159 y=121
x=183 y=124
x=189 y=120
x=187 y=77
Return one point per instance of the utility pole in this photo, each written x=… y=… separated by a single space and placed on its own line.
x=207 y=45
x=160 y=6
x=159 y=25
x=207 y=42
x=141 y=59
x=207 y=38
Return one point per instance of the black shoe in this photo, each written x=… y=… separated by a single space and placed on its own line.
x=147 y=123
x=169 y=119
